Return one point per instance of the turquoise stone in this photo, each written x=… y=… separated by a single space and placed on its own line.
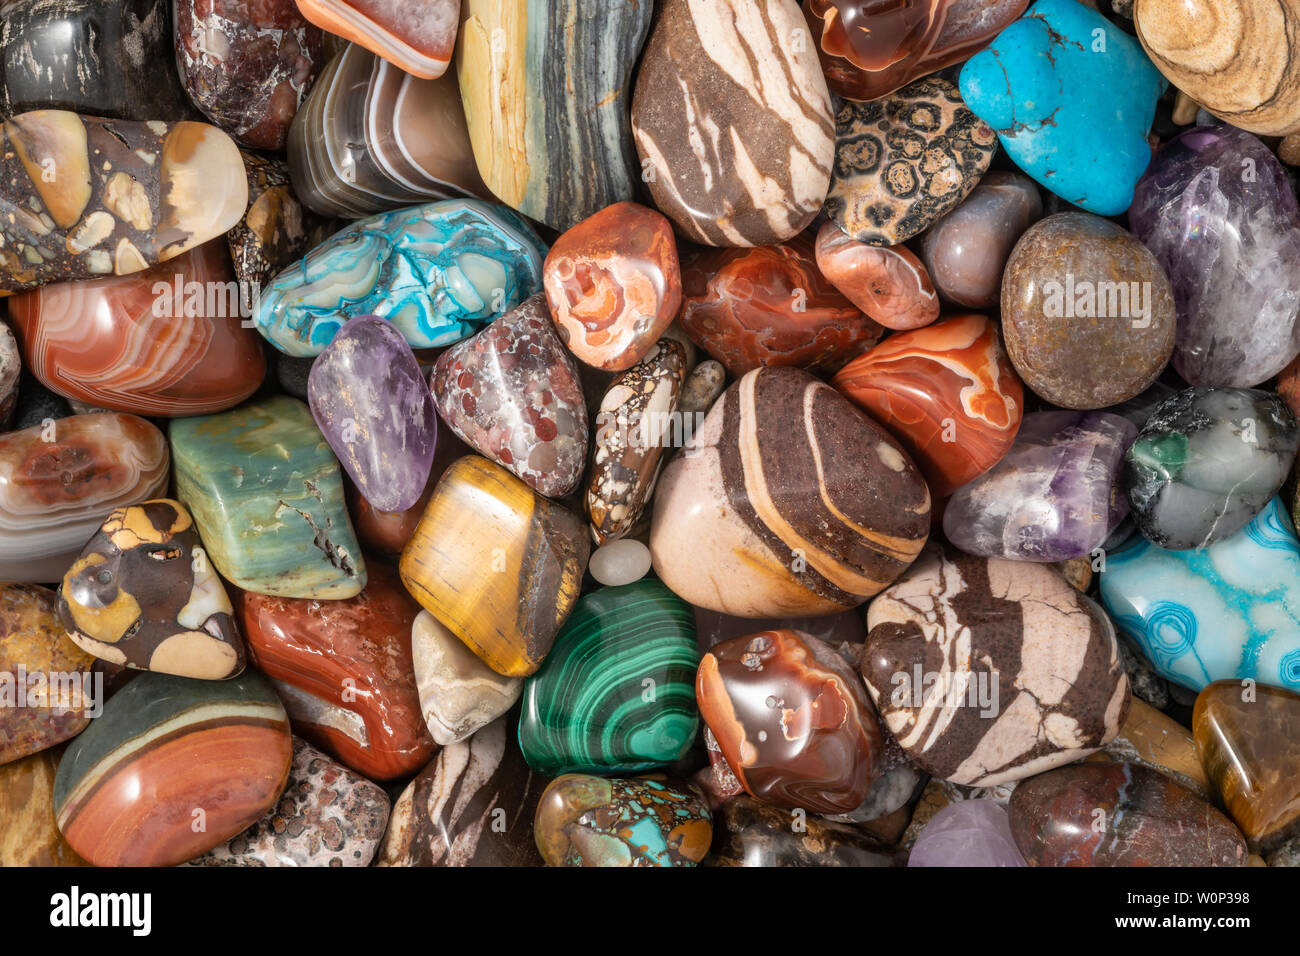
x=1072 y=97
x=1228 y=611
x=617 y=691
x=438 y=272
x=267 y=496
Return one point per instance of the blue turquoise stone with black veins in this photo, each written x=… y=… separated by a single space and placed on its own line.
x=617 y=691
x=1229 y=611
x=1071 y=97
x=1208 y=460
x=438 y=272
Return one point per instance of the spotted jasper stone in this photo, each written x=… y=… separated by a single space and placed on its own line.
x=787 y=501
x=82 y=197
x=143 y=594
x=633 y=425
x=275 y=230
x=987 y=670
x=903 y=161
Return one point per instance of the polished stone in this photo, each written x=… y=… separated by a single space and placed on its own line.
x=414 y=35
x=267 y=497
x=276 y=229
x=753 y=833
x=620 y=562
x=459 y=694
x=11 y=370
x=1156 y=740
x=967 y=833
x=30 y=836
x=888 y=283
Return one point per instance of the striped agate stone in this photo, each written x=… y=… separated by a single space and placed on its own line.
x=616 y=693
x=371 y=138
x=172 y=769
x=788 y=501
x=415 y=35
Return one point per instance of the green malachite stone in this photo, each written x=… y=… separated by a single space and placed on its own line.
x=267 y=496
x=617 y=691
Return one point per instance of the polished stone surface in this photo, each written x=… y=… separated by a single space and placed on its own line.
x=276 y=229
x=967 y=833
x=459 y=694
x=888 y=283
x=749 y=832
x=30 y=836
x=415 y=35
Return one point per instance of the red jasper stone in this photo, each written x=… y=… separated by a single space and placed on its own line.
x=888 y=283
x=344 y=672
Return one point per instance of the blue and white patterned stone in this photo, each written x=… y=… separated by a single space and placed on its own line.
x=438 y=272
x=1228 y=611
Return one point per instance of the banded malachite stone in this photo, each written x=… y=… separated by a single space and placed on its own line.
x=616 y=693
x=267 y=496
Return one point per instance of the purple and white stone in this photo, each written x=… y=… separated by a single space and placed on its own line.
x=1053 y=497
x=967 y=833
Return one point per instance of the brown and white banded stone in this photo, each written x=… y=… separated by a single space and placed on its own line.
x=987 y=670
x=787 y=501
x=732 y=120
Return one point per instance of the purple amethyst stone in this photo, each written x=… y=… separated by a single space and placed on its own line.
x=967 y=833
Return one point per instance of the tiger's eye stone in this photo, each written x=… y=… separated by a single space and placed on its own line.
x=144 y=595
x=613 y=284
x=267 y=497
x=47 y=688
x=172 y=769
x=30 y=836
x=616 y=693
x=497 y=564
x=888 y=283
x=1246 y=738
x=343 y=669
x=788 y=501
x=60 y=479
x=82 y=197
x=947 y=392
x=750 y=308
x=646 y=821
x=792 y=719
x=166 y=342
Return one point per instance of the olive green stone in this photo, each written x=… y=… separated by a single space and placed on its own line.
x=267 y=496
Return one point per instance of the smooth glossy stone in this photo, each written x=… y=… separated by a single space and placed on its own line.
x=1072 y=98
x=636 y=419
x=988 y=671
x=344 y=671
x=143 y=595
x=82 y=197
x=371 y=138
x=703 y=387
x=48 y=692
x=620 y=562
x=753 y=833
x=1233 y=57
x=267 y=497
x=172 y=769
x=1087 y=312
x=327 y=816
x=750 y=308
x=546 y=86
x=869 y=48
x=512 y=393
x=372 y=404
x=1246 y=738
x=11 y=368
x=888 y=283
x=247 y=64
x=1134 y=816
x=967 y=833
x=59 y=480
x=166 y=342
x=497 y=564
x=416 y=36
x=792 y=719
x=1231 y=610
x=438 y=272
x=275 y=230
x=1207 y=461
x=733 y=156
x=102 y=57
x=841 y=630
x=647 y=821
x=966 y=250
x=1156 y=740
x=788 y=501
x=30 y=836
x=459 y=694
x=1055 y=496
x=947 y=392
x=614 y=285
x=473 y=806
x=903 y=161
x=616 y=693
x=1218 y=211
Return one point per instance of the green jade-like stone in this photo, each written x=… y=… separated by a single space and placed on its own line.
x=267 y=496
x=617 y=691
